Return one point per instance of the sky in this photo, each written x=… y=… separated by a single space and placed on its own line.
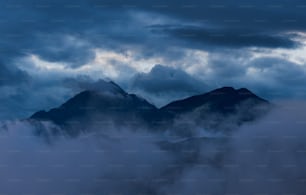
x=51 y=50
x=161 y=50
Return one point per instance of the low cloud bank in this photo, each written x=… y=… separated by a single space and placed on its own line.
x=262 y=157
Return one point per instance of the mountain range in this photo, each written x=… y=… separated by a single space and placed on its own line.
x=109 y=104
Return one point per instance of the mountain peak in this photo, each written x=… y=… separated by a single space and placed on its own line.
x=224 y=90
x=105 y=87
x=221 y=100
x=245 y=91
x=102 y=87
x=106 y=100
x=101 y=100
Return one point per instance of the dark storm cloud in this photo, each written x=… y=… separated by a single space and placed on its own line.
x=44 y=27
x=65 y=49
x=205 y=38
x=232 y=24
x=50 y=30
x=260 y=16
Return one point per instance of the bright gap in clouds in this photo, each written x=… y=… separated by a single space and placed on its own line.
x=255 y=68
x=114 y=65
x=296 y=56
x=105 y=64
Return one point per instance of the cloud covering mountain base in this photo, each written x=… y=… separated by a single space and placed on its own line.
x=266 y=156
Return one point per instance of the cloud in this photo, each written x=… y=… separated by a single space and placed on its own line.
x=266 y=156
x=199 y=37
x=164 y=83
x=112 y=40
x=69 y=32
x=269 y=76
x=99 y=162
x=11 y=75
x=60 y=31
x=21 y=100
x=278 y=78
x=65 y=37
x=73 y=51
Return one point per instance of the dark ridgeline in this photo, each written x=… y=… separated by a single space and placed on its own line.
x=112 y=105
x=222 y=100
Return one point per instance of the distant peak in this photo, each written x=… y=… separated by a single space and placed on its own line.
x=104 y=87
x=161 y=69
x=225 y=89
x=244 y=91
x=113 y=83
x=231 y=89
x=86 y=93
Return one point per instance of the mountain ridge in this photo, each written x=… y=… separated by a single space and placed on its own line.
x=222 y=95
x=114 y=104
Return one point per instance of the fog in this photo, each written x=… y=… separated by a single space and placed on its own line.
x=263 y=157
x=267 y=156
x=91 y=163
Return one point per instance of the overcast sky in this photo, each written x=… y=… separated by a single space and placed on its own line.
x=197 y=46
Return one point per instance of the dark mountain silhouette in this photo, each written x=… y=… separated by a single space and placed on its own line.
x=222 y=109
x=222 y=100
x=111 y=104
